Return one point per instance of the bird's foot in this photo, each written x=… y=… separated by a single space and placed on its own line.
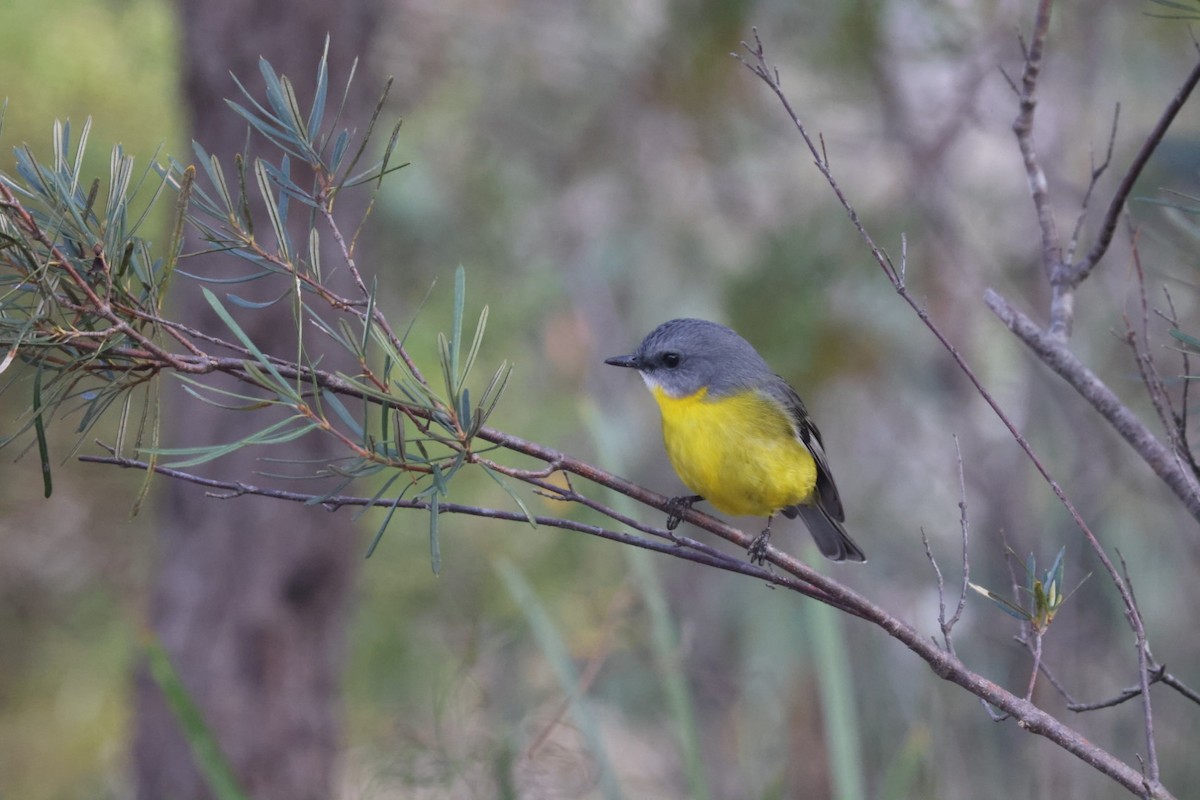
x=758 y=548
x=677 y=507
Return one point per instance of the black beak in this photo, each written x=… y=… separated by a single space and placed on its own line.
x=633 y=362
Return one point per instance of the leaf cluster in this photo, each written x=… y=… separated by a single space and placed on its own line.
x=92 y=328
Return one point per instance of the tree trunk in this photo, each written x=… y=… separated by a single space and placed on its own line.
x=251 y=595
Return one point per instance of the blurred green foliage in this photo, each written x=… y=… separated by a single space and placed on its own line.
x=597 y=171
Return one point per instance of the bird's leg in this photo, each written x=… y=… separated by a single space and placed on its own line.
x=758 y=548
x=676 y=507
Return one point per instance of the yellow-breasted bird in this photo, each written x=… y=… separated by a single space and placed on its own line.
x=737 y=434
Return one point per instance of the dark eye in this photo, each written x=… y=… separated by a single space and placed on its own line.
x=670 y=360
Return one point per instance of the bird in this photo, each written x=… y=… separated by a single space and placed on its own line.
x=738 y=435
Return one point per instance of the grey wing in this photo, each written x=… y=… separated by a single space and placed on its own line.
x=824 y=517
x=806 y=431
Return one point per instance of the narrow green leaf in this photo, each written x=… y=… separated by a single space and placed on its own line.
x=362 y=146
x=491 y=395
x=555 y=651
x=317 y=115
x=435 y=547
x=40 y=428
x=383 y=526
x=175 y=245
x=369 y=316
x=1188 y=339
x=1004 y=605
x=511 y=493
x=464 y=410
x=343 y=413
x=460 y=299
x=473 y=352
x=153 y=393
x=204 y=746
x=244 y=303
x=241 y=334
x=314 y=252
x=273 y=214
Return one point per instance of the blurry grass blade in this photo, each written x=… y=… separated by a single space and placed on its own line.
x=838 y=709
x=900 y=778
x=666 y=647
x=554 y=649
x=205 y=749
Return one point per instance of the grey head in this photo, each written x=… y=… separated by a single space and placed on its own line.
x=685 y=355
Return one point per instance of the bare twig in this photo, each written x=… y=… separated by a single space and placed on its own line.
x=1036 y=649
x=1097 y=172
x=1063 y=274
x=1139 y=631
x=1060 y=313
x=947 y=625
x=1081 y=269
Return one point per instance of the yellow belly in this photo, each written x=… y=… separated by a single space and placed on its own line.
x=739 y=453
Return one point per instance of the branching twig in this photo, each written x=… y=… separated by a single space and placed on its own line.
x=1052 y=253
x=1063 y=274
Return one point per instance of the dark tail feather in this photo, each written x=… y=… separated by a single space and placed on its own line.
x=831 y=538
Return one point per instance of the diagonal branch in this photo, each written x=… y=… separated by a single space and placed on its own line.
x=1166 y=463
x=1080 y=270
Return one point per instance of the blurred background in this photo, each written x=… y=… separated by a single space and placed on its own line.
x=599 y=168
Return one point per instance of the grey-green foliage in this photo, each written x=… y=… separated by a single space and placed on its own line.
x=83 y=292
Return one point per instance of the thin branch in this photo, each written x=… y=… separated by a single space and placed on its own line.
x=1080 y=270
x=1036 y=649
x=1056 y=355
x=947 y=625
x=1139 y=631
x=964 y=526
x=678 y=547
x=1023 y=129
x=1097 y=172
x=1160 y=398
x=800 y=577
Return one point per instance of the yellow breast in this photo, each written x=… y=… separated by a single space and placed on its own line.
x=740 y=453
